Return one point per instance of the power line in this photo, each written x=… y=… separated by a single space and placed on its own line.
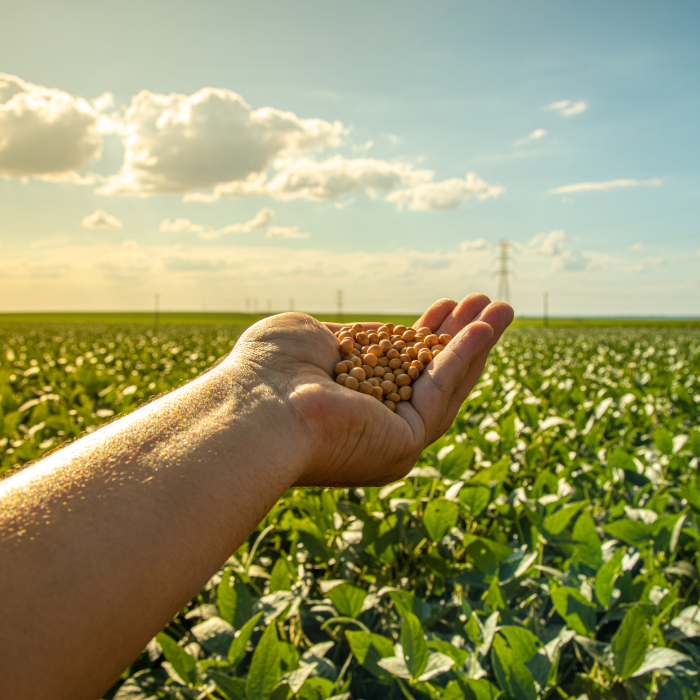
x=504 y=247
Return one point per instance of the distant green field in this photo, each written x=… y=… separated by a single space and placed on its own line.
x=246 y=319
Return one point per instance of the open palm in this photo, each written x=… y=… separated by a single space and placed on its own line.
x=352 y=438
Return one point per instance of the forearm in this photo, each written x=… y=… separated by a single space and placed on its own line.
x=170 y=492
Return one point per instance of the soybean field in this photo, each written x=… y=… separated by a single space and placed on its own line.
x=545 y=547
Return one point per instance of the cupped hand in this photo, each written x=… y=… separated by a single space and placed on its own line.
x=350 y=438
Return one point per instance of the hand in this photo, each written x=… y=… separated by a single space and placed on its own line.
x=351 y=438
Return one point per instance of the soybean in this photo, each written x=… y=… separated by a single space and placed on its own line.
x=384 y=363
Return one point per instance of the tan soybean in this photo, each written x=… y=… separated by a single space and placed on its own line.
x=358 y=373
x=352 y=383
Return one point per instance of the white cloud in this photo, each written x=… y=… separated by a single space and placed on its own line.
x=285 y=232
x=567 y=108
x=104 y=102
x=605 y=186
x=476 y=244
x=182 y=226
x=101 y=220
x=532 y=136
x=548 y=243
x=446 y=194
x=259 y=222
x=45 y=132
x=206 y=146
x=573 y=260
x=554 y=245
x=178 y=143
x=304 y=178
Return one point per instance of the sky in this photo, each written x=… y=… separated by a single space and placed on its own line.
x=263 y=156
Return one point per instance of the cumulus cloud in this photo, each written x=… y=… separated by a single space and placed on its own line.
x=446 y=194
x=101 y=220
x=177 y=143
x=305 y=178
x=206 y=146
x=45 y=132
x=259 y=222
x=567 y=108
x=535 y=135
x=605 y=186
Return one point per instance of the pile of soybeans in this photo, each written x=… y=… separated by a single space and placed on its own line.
x=384 y=363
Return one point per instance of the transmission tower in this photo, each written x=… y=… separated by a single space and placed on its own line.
x=504 y=247
x=340 y=305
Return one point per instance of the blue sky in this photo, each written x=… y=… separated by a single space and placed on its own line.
x=391 y=105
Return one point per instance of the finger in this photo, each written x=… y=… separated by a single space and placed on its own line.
x=436 y=314
x=449 y=368
x=434 y=389
x=464 y=313
x=499 y=317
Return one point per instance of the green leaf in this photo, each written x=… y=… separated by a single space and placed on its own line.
x=660 y=657
x=511 y=673
x=588 y=551
x=215 y=635
x=579 y=613
x=415 y=650
x=473 y=689
x=143 y=685
x=244 y=606
x=629 y=645
x=440 y=517
x=437 y=663
x=280 y=577
x=664 y=441
x=406 y=602
x=486 y=554
x=231 y=688
x=265 y=666
x=226 y=598
x=523 y=643
x=598 y=650
x=633 y=532
x=557 y=522
x=605 y=578
x=686 y=625
x=183 y=663
x=457 y=461
x=369 y=649
x=347 y=599
x=692 y=496
x=237 y=650
x=475 y=498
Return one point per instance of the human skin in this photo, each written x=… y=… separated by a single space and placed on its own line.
x=104 y=541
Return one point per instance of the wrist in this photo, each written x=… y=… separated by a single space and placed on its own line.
x=263 y=427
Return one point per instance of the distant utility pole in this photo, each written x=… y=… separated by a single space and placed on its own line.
x=340 y=305
x=269 y=306
x=504 y=272
x=156 y=308
x=545 y=315
x=291 y=303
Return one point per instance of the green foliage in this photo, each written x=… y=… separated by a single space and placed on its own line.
x=546 y=545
